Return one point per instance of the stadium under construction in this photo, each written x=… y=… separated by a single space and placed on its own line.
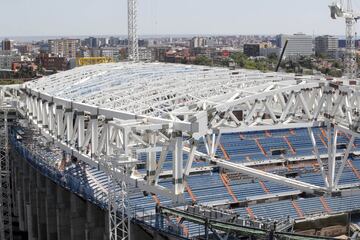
x=165 y=151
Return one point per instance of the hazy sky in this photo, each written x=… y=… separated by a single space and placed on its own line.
x=103 y=17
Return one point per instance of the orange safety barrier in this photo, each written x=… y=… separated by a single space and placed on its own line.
x=226 y=155
x=184 y=228
x=250 y=212
x=261 y=147
x=190 y=192
x=263 y=186
x=323 y=141
x=226 y=181
x=267 y=133
x=323 y=133
x=297 y=209
x=325 y=204
x=156 y=199
x=354 y=169
x=290 y=145
x=348 y=137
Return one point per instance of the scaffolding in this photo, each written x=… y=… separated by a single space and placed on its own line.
x=118 y=205
x=5 y=188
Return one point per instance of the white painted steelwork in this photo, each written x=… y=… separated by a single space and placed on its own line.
x=120 y=110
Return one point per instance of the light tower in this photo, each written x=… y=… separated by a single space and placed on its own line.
x=338 y=10
x=133 y=44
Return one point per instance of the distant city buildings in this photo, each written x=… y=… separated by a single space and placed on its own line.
x=7 y=45
x=264 y=49
x=64 y=47
x=198 y=42
x=63 y=54
x=299 y=45
x=50 y=62
x=326 y=46
x=6 y=60
x=252 y=49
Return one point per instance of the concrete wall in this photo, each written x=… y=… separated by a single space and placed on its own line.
x=47 y=211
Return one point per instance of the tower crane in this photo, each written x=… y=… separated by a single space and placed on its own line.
x=133 y=41
x=339 y=10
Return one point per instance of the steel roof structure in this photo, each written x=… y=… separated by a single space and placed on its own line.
x=153 y=89
x=117 y=117
x=151 y=107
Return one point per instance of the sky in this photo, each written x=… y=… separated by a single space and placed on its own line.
x=168 y=17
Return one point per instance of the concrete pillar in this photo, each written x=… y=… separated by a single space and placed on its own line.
x=25 y=194
x=77 y=217
x=40 y=206
x=33 y=204
x=50 y=210
x=95 y=223
x=63 y=214
x=29 y=222
x=19 y=175
x=14 y=171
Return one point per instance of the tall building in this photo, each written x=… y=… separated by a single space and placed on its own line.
x=64 y=47
x=7 y=60
x=198 y=42
x=326 y=46
x=252 y=49
x=91 y=42
x=7 y=45
x=114 y=41
x=299 y=45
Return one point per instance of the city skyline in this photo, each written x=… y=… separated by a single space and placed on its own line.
x=159 y=17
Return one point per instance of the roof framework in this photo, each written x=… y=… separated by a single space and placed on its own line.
x=109 y=113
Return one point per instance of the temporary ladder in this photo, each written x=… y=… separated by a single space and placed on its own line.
x=297 y=209
x=226 y=155
x=261 y=147
x=250 y=212
x=226 y=181
x=325 y=204
x=290 y=145
x=263 y=186
x=191 y=194
x=353 y=168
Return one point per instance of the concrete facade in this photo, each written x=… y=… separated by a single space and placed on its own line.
x=45 y=210
x=326 y=46
x=299 y=45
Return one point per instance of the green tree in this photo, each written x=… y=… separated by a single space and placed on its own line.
x=202 y=60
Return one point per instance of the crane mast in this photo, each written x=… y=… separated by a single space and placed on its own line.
x=133 y=43
x=338 y=10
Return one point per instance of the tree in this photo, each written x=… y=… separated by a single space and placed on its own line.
x=202 y=60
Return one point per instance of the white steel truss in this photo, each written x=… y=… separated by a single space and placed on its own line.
x=118 y=204
x=117 y=111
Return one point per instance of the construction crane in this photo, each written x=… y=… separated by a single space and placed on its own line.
x=338 y=9
x=133 y=41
